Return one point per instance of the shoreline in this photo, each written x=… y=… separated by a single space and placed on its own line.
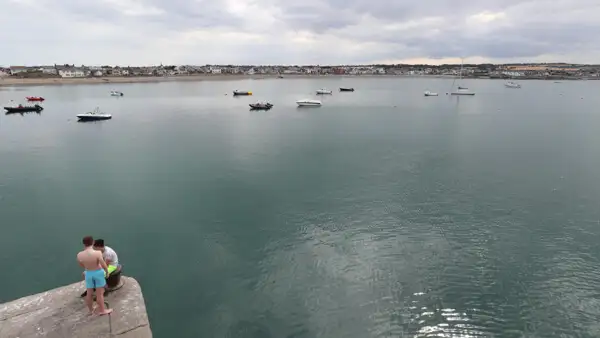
x=17 y=82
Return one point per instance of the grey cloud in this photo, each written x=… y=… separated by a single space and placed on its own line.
x=528 y=30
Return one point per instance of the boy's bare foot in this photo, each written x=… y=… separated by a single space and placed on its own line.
x=105 y=312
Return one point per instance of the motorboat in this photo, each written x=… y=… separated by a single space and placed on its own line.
x=95 y=115
x=342 y=89
x=23 y=109
x=428 y=93
x=116 y=93
x=241 y=93
x=261 y=105
x=308 y=103
x=324 y=92
x=35 y=98
x=511 y=84
x=463 y=92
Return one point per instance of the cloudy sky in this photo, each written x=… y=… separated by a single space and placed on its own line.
x=141 y=32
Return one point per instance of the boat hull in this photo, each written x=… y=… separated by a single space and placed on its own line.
x=23 y=109
x=34 y=99
x=86 y=118
x=308 y=104
x=346 y=89
x=242 y=93
x=260 y=107
x=462 y=94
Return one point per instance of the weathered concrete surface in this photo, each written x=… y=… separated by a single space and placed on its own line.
x=62 y=313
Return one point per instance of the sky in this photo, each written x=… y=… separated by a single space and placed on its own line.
x=324 y=32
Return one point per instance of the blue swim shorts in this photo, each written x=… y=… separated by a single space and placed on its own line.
x=94 y=279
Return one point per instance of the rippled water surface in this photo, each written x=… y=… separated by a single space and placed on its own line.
x=380 y=214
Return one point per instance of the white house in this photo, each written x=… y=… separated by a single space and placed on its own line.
x=4 y=72
x=17 y=69
x=72 y=72
x=48 y=70
x=97 y=73
x=215 y=70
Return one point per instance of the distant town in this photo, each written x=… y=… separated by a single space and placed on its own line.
x=504 y=71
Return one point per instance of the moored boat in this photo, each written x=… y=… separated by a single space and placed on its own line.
x=463 y=92
x=428 y=93
x=308 y=103
x=95 y=115
x=35 y=98
x=261 y=105
x=241 y=93
x=116 y=93
x=323 y=91
x=343 y=89
x=23 y=109
x=511 y=84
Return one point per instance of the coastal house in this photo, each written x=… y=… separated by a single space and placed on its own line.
x=216 y=70
x=96 y=73
x=48 y=70
x=71 y=72
x=17 y=69
x=4 y=72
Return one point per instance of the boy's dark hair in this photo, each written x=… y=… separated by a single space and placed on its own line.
x=99 y=243
x=88 y=240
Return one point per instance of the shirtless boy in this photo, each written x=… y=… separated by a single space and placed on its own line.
x=95 y=267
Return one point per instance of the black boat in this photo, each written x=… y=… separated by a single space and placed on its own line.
x=241 y=92
x=346 y=89
x=24 y=109
x=260 y=106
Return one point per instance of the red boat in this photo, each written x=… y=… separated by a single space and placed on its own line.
x=35 y=98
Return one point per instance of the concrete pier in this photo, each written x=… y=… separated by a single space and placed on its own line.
x=61 y=313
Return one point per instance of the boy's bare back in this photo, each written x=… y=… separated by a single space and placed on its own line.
x=90 y=259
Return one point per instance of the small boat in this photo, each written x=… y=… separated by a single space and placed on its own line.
x=35 y=98
x=324 y=92
x=342 y=89
x=463 y=92
x=116 y=93
x=428 y=93
x=23 y=109
x=241 y=92
x=308 y=103
x=261 y=106
x=511 y=84
x=95 y=115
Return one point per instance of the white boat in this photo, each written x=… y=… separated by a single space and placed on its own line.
x=308 y=103
x=116 y=93
x=461 y=90
x=511 y=84
x=95 y=115
x=324 y=92
x=428 y=93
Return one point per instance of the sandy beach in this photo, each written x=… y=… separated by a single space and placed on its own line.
x=10 y=81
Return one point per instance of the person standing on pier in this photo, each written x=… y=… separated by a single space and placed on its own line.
x=95 y=270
